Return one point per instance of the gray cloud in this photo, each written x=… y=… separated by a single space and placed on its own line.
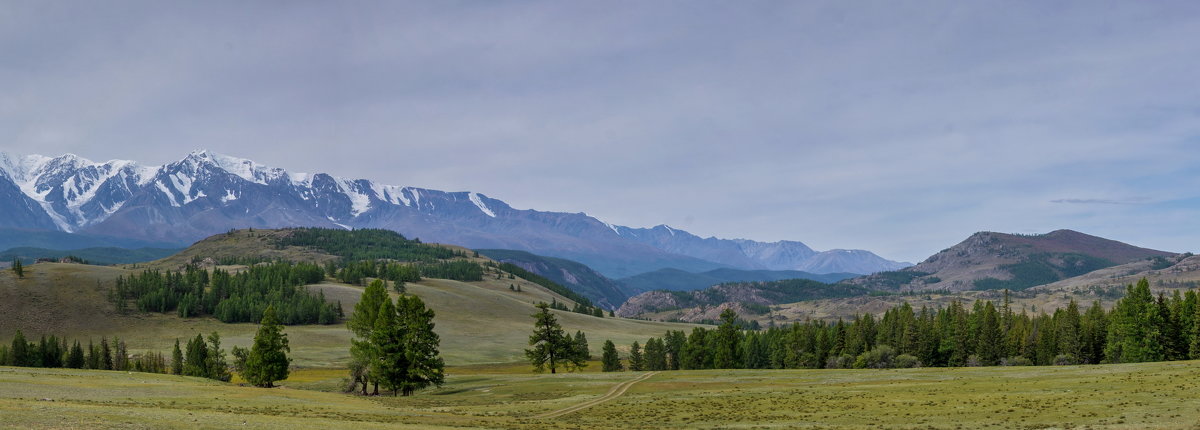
x=899 y=128
x=1099 y=201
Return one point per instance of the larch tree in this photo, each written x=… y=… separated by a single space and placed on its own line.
x=610 y=361
x=362 y=325
x=389 y=361
x=177 y=360
x=268 y=361
x=550 y=344
x=421 y=346
x=637 y=362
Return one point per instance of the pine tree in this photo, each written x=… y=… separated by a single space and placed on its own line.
x=728 y=339
x=655 y=355
x=75 y=359
x=1195 y=347
x=580 y=353
x=120 y=356
x=18 y=268
x=636 y=361
x=1069 y=322
x=196 y=363
x=19 y=353
x=550 y=344
x=421 y=346
x=1093 y=331
x=106 y=360
x=755 y=352
x=610 y=361
x=217 y=367
x=1130 y=329
x=93 y=356
x=268 y=361
x=177 y=360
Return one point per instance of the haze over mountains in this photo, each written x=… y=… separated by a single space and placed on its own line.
x=207 y=193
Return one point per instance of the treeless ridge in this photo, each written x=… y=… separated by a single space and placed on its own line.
x=616 y=391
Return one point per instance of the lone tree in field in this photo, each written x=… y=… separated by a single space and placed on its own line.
x=268 y=361
x=18 y=268
x=610 y=361
x=550 y=344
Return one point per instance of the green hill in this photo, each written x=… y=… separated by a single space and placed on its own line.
x=479 y=322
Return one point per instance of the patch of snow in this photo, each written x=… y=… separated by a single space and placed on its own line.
x=390 y=193
x=359 y=202
x=416 y=196
x=339 y=224
x=166 y=191
x=229 y=196
x=669 y=230
x=479 y=203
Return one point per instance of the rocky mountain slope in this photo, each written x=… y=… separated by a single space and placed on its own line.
x=989 y=260
x=207 y=193
x=599 y=289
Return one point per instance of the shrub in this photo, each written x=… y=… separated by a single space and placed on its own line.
x=1065 y=360
x=840 y=362
x=879 y=358
x=905 y=361
x=1016 y=361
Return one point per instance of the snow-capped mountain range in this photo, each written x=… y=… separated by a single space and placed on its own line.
x=207 y=193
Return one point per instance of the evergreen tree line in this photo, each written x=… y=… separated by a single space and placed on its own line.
x=356 y=272
x=582 y=304
x=552 y=348
x=366 y=244
x=394 y=344
x=231 y=298
x=265 y=362
x=1140 y=328
x=55 y=352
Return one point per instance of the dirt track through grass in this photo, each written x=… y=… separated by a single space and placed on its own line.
x=616 y=391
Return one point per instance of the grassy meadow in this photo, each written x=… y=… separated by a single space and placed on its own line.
x=1130 y=396
x=479 y=322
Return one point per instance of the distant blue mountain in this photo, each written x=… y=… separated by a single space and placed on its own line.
x=679 y=280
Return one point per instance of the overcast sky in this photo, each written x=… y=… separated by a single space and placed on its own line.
x=898 y=127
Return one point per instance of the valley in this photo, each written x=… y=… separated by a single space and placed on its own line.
x=1145 y=395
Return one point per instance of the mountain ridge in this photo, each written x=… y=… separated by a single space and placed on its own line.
x=207 y=193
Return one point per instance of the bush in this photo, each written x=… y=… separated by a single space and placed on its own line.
x=840 y=362
x=1016 y=361
x=879 y=358
x=905 y=361
x=1065 y=360
x=974 y=361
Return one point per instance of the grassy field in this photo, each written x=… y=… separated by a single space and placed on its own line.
x=479 y=322
x=1154 y=395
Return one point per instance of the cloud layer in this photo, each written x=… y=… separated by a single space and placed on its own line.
x=900 y=128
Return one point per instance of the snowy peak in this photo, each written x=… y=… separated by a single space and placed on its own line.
x=241 y=167
x=74 y=191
